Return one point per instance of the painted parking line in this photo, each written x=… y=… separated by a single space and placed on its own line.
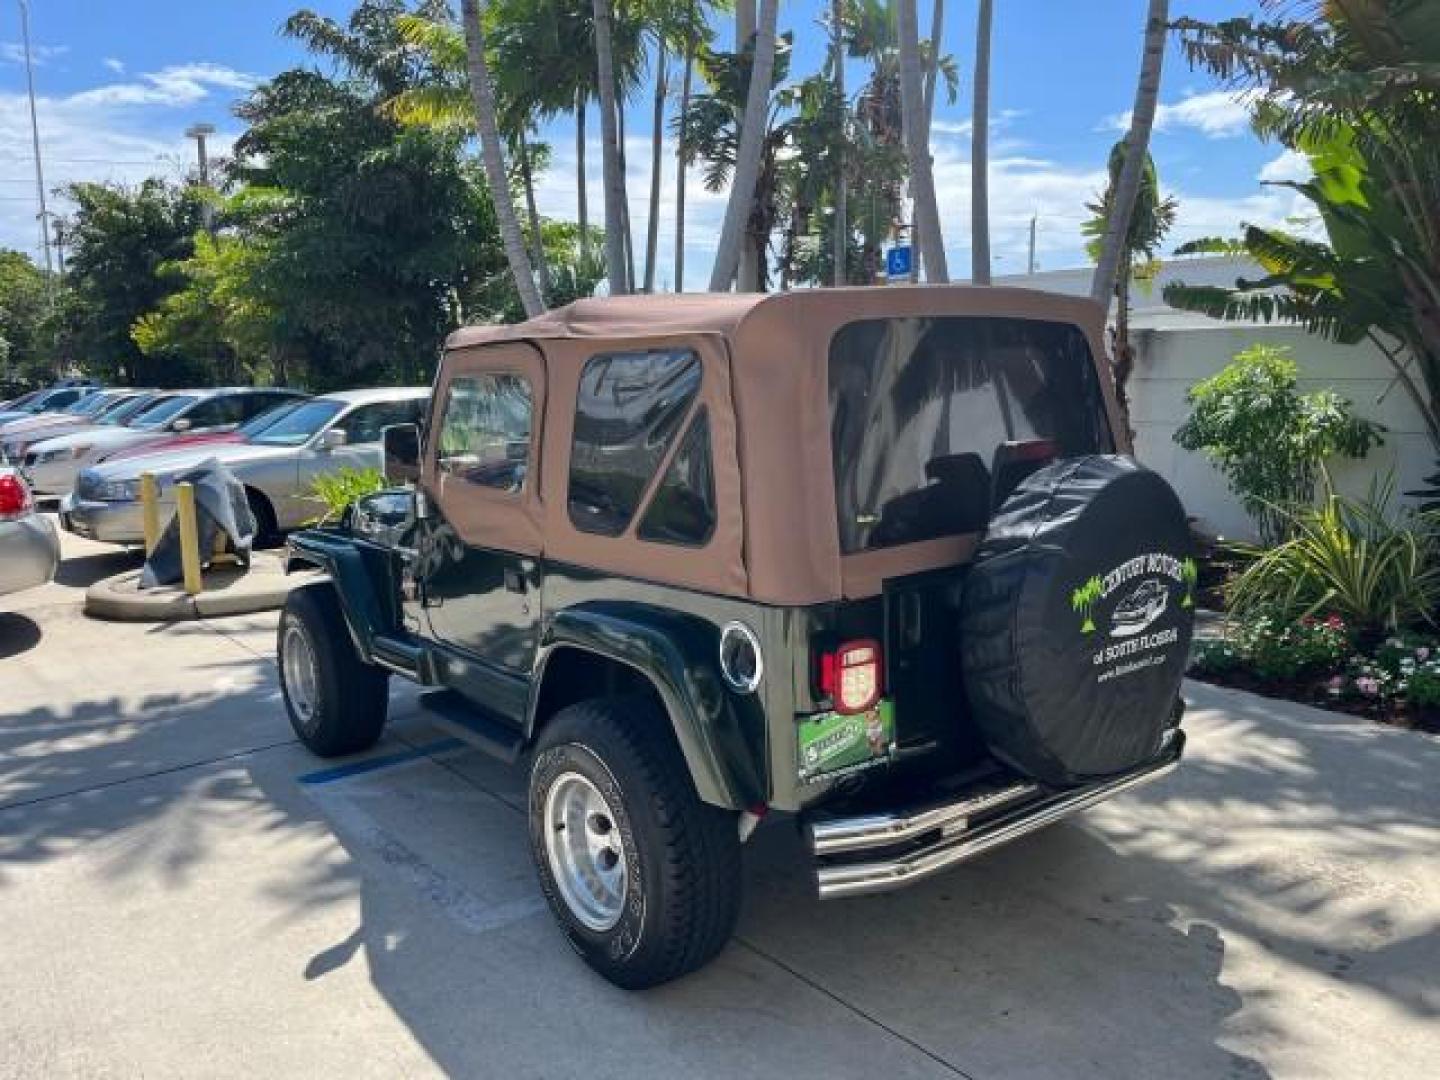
x=385 y=761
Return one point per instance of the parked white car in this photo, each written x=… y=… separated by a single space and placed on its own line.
x=52 y=466
x=29 y=548
x=278 y=465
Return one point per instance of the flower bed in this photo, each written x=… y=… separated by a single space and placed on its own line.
x=1324 y=662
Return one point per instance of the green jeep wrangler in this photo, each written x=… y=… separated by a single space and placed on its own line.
x=875 y=558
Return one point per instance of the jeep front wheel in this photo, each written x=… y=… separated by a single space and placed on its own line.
x=642 y=876
x=336 y=701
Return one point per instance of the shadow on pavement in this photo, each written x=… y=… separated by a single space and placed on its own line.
x=18 y=634
x=82 y=571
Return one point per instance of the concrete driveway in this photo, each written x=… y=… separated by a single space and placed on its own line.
x=183 y=892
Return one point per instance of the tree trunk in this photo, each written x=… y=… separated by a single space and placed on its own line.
x=537 y=235
x=582 y=196
x=928 y=239
x=932 y=70
x=841 y=238
x=1123 y=362
x=625 y=206
x=616 y=264
x=1137 y=149
x=680 y=172
x=744 y=23
x=980 y=152
x=493 y=154
x=657 y=138
x=747 y=159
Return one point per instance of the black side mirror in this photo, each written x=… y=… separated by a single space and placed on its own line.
x=402 y=453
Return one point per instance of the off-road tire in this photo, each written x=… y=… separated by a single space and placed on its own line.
x=351 y=696
x=682 y=855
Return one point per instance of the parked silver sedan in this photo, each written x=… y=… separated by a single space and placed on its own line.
x=29 y=548
x=277 y=465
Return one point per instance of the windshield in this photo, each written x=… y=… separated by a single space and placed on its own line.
x=268 y=418
x=128 y=407
x=299 y=425
x=162 y=410
x=934 y=421
x=89 y=406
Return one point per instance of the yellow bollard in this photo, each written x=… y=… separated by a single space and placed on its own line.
x=189 y=538
x=150 y=508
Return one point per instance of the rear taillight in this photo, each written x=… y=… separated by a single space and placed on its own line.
x=850 y=676
x=15 y=500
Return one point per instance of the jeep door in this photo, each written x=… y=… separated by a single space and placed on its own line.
x=478 y=568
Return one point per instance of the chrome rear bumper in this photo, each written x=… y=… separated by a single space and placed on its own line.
x=929 y=840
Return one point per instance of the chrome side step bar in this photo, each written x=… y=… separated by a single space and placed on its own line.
x=960 y=843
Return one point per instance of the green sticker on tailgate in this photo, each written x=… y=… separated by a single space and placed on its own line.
x=834 y=742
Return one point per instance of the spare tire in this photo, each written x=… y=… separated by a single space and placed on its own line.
x=1076 y=620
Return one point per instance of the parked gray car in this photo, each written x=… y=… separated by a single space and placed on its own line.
x=29 y=548
x=278 y=465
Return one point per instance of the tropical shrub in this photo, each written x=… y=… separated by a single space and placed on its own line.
x=1270 y=440
x=338 y=490
x=1379 y=569
x=1273 y=648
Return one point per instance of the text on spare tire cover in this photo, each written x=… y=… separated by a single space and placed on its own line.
x=1141 y=589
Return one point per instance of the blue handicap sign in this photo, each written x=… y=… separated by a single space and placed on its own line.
x=897 y=262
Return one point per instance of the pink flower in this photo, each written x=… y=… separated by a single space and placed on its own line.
x=1337 y=682
x=1367 y=686
x=1422 y=653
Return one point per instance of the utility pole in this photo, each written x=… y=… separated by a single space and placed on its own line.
x=35 y=142
x=199 y=132
x=59 y=245
x=1030 y=263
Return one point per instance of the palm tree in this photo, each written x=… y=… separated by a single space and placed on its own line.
x=929 y=241
x=493 y=154
x=1151 y=218
x=1136 y=153
x=932 y=69
x=657 y=135
x=980 y=152
x=615 y=198
x=841 y=234
x=680 y=167
x=747 y=159
x=1083 y=601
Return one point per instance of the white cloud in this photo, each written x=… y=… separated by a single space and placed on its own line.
x=1290 y=165
x=117 y=66
x=117 y=132
x=13 y=52
x=1219 y=114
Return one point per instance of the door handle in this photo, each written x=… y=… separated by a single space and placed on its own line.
x=514 y=579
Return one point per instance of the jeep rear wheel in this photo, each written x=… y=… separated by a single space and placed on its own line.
x=642 y=876
x=336 y=701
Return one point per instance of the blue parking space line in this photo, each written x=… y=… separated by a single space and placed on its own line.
x=356 y=768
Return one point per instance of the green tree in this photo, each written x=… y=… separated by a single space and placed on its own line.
x=1151 y=217
x=378 y=237
x=1269 y=440
x=1083 y=601
x=1354 y=87
x=120 y=237
x=27 y=354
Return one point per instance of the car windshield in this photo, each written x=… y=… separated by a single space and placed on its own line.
x=127 y=408
x=162 y=410
x=267 y=419
x=90 y=406
x=300 y=425
x=934 y=421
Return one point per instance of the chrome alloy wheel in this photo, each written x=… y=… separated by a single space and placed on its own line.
x=302 y=676
x=585 y=852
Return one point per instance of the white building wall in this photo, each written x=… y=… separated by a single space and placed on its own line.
x=1171 y=360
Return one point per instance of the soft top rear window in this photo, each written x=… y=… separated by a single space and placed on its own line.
x=933 y=420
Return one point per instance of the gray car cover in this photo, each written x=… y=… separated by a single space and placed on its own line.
x=1076 y=620
x=221 y=508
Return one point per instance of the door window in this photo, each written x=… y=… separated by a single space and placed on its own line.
x=366 y=423
x=485 y=431
x=629 y=409
x=217 y=412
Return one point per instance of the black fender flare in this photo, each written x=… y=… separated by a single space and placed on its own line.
x=360 y=601
x=679 y=655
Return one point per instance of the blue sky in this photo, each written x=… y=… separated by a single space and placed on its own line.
x=119 y=82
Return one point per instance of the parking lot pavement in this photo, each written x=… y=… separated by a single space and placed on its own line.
x=184 y=891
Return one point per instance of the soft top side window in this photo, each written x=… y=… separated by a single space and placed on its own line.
x=628 y=411
x=485 y=430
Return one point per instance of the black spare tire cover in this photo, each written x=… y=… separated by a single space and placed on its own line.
x=1076 y=620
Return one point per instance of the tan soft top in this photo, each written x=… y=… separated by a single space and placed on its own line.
x=767 y=363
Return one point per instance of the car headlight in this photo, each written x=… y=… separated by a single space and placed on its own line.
x=116 y=491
